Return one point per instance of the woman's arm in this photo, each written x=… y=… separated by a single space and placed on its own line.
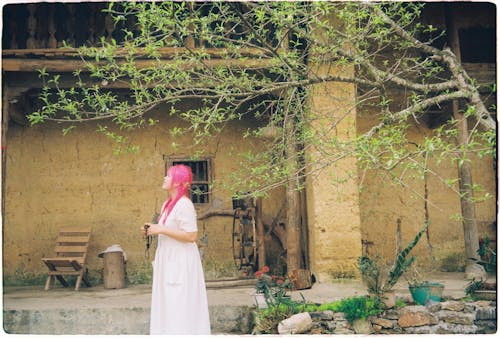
x=180 y=235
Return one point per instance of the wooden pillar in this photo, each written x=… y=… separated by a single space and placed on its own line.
x=260 y=234
x=5 y=126
x=31 y=41
x=464 y=169
x=51 y=41
x=293 y=224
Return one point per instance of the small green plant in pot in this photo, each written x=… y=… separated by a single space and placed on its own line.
x=487 y=254
x=380 y=278
x=481 y=290
x=423 y=291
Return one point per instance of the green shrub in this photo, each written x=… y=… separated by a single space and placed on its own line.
x=360 y=307
x=400 y=303
x=353 y=308
x=267 y=320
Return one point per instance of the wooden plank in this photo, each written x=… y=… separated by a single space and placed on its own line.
x=59 y=273
x=69 y=265
x=62 y=281
x=56 y=260
x=77 y=229
x=72 y=239
x=70 y=249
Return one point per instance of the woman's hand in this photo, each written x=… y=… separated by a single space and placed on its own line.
x=151 y=229
x=180 y=235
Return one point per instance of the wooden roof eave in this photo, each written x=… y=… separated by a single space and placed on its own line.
x=68 y=59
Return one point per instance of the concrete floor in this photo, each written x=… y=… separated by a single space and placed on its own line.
x=34 y=297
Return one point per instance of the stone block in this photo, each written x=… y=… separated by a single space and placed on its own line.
x=433 y=319
x=331 y=325
x=454 y=317
x=486 y=313
x=412 y=316
x=447 y=328
x=392 y=314
x=322 y=315
x=452 y=306
x=298 y=323
x=339 y=316
x=362 y=326
x=486 y=326
x=383 y=323
x=482 y=303
x=434 y=307
x=469 y=308
x=426 y=329
x=343 y=329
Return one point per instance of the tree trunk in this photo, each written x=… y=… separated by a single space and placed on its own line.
x=293 y=230
x=293 y=250
x=467 y=205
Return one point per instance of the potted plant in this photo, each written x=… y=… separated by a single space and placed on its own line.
x=380 y=278
x=271 y=289
x=423 y=291
x=481 y=290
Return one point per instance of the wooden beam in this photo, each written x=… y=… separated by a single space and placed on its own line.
x=33 y=65
x=165 y=53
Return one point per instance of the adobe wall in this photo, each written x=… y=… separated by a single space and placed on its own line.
x=383 y=203
x=332 y=192
x=55 y=181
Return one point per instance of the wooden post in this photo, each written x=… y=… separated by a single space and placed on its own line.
x=5 y=126
x=293 y=225
x=260 y=235
x=51 y=41
x=31 y=41
x=464 y=170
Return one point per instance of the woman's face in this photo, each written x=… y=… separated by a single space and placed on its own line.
x=167 y=183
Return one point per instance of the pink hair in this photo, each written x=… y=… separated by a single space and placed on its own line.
x=181 y=174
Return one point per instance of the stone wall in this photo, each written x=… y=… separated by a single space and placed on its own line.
x=450 y=317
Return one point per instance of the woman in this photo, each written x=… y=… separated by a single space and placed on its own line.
x=179 y=299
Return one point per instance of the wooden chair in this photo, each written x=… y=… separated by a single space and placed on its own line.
x=71 y=256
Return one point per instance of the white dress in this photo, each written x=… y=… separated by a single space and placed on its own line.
x=179 y=298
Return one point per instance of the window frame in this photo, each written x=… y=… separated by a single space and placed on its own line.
x=170 y=160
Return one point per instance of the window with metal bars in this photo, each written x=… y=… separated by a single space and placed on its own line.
x=200 y=189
